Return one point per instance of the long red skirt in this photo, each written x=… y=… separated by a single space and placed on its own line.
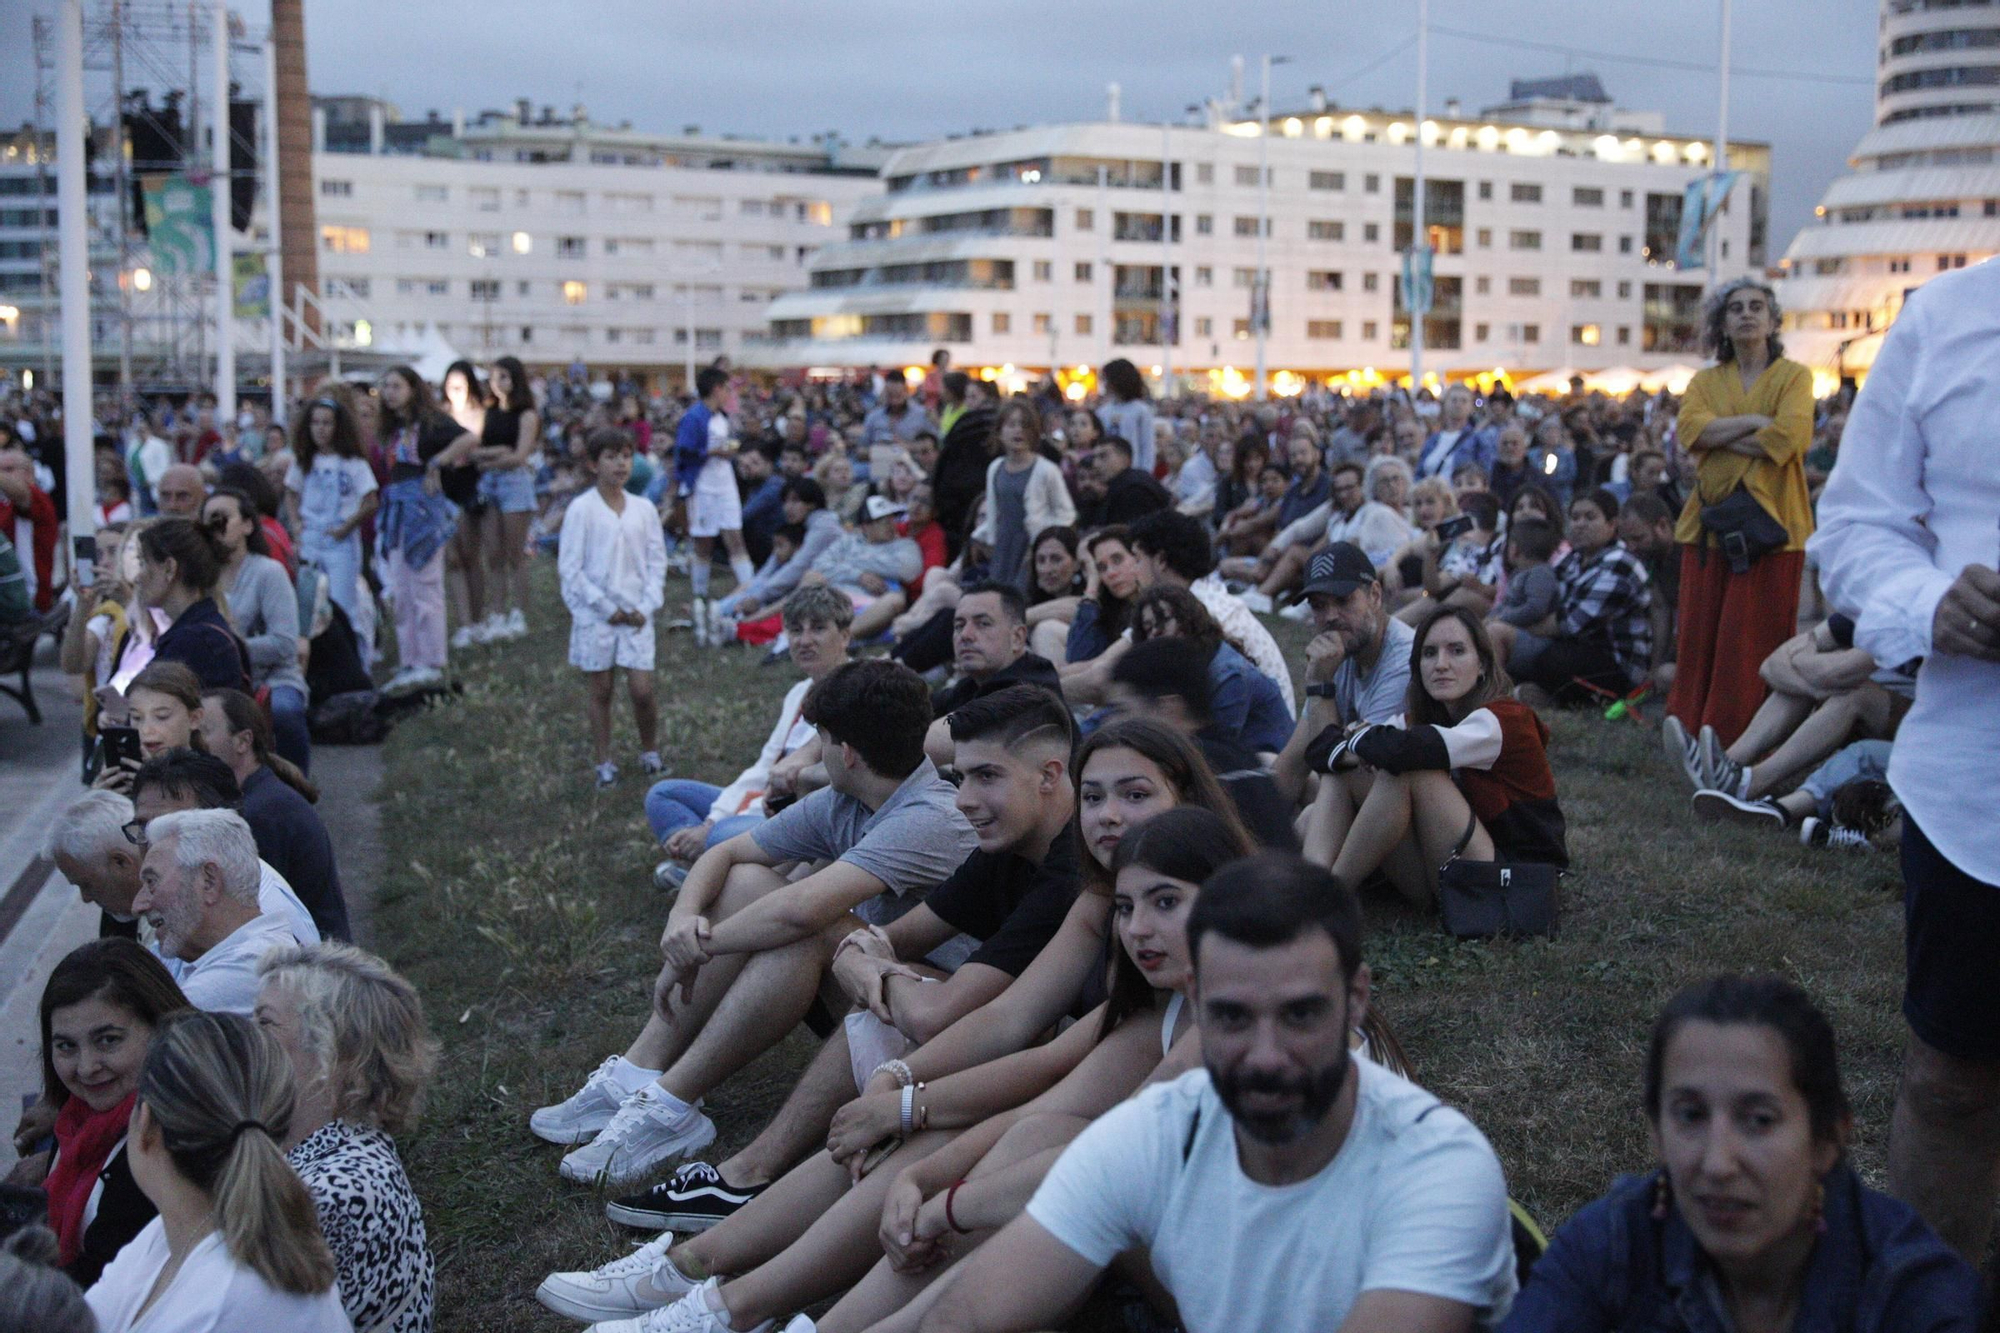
x=1729 y=623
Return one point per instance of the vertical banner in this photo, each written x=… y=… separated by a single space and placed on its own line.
x=251 y=283
x=180 y=225
x=1417 y=285
x=1699 y=208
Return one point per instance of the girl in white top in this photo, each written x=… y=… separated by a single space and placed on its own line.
x=1019 y=507
x=237 y=1244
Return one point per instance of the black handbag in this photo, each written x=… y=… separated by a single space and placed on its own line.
x=1743 y=529
x=1482 y=899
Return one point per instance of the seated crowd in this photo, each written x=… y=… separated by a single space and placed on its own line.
x=1045 y=846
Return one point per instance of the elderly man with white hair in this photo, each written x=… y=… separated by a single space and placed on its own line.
x=98 y=843
x=198 y=889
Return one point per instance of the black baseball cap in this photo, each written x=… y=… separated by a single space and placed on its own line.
x=1339 y=570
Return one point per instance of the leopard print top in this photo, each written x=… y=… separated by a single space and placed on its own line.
x=372 y=1223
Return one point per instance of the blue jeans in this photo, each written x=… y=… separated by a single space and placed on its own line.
x=288 y=721
x=677 y=803
x=1863 y=759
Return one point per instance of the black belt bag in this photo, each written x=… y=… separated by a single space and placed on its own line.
x=1481 y=899
x=1744 y=530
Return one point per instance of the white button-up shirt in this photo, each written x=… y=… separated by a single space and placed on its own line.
x=1914 y=499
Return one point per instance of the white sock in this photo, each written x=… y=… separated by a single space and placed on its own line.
x=1743 y=783
x=630 y=1077
x=674 y=1105
x=741 y=567
x=711 y=1296
x=698 y=576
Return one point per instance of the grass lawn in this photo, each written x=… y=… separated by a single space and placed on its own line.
x=519 y=900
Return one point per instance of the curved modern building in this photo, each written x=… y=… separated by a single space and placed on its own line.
x=1924 y=193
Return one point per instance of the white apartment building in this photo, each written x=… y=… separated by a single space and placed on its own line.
x=1924 y=193
x=1553 y=217
x=560 y=241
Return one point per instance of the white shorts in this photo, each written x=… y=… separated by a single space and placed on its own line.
x=716 y=506
x=596 y=646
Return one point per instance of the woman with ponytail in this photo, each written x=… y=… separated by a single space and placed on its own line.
x=277 y=805
x=237 y=1243
x=180 y=564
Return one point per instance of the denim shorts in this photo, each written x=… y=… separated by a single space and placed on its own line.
x=511 y=491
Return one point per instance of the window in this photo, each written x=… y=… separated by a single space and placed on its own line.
x=344 y=240
x=710 y=339
x=1323 y=280
x=1524 y=286
x=1624 y=291
x=1325 y=229
x=1586 y=335
x=575 y=293
x=1945 y=262
x=614 y=335
x=1002 y=322
x=1327 y=180
x=1243 y=279
x=1480 y=332
x=485 y=289
x=436 y=240
x=1323 y=328
x=1204 y=276
x=1371 y=183
x=1083 y=271
x=485 y=199
x=1585 y=242
x=1204 y=224
x=1044 y=270
x=641 y=291
x=1486 y=189
x=642 y=336
x=1086 y=219
x=1624 y=198
x=1246 y=226
x=1482 y=285
x=569 y=247
x=358 y=287
x=332 y=189
x=523 y=288
x=1624 y=335
x=1204 y=173
x=1585 y=289
x=432 y=194
x=1204 y=327
x=1585 y=196
x=751 y=208
x=1371 y=282
x=1246 y=175
x=520 y=198
x=1531 y=333
x=1524 y=240
x=1368 y=330
x=1041 y=322
x=1624 y=245
x=1525 y=192
x=570 y=202
x=1486 y=238
x=1900 y=265
x=483 y=244
x=527 y=334
x=522 y=243
x=1239 y=329
x=1371 y=232
x=1083 y=325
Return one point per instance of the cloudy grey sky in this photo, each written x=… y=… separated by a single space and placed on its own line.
x=902 y=71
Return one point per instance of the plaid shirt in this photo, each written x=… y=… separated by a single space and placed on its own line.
x=1608 y=595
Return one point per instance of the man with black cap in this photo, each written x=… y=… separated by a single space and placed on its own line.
x=1357 y=666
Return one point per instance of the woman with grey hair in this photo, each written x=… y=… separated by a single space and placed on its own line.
x=361 y=1060
x=34 y=1293
x=1748 y=419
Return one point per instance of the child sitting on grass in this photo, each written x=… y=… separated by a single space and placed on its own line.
x=1532 y=588
x=613 y=562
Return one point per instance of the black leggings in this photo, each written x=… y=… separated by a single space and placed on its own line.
x=928 y=645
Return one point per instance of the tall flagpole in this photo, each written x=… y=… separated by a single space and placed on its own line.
x=1419 y=234
x=274 y=263
x=73 y=253
x=225 y=296
x=1721 y=163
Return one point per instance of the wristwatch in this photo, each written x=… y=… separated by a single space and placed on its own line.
x=1324 y=690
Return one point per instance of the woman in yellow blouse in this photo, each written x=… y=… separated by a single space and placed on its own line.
x=1749 y=420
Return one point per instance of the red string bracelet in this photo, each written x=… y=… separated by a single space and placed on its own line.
x=949 y=1220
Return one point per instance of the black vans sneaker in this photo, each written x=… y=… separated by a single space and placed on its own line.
x=693 y=1199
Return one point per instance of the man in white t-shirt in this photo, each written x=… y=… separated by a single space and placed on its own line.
x=1288 y=1185
x=198 y=889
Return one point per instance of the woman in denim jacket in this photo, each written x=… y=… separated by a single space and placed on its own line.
x=1755 y=1222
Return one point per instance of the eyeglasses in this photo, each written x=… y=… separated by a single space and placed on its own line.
x=134 y=831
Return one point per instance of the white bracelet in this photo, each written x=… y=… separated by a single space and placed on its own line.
x=909 y=1106
x=904 y=1077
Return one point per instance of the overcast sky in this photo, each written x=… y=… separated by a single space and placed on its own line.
x=901 y=72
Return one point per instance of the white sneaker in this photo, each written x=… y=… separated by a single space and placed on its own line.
x=801 y=1324
x=580 y=1117
x=700 y=618
x=689 y=1314
x=1299 y=611
x=643 y=1280
x=493 y=629
x=1257 y=601
x=1682 y=751
x=515 y=625
x=644 y=1134
x=466 y=636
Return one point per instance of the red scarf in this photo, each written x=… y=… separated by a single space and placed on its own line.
x=84 y=1140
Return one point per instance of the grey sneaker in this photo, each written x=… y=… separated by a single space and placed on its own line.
x=1712 y=757
x=1721 y=806
x=644 y=1134
x=1817 y=832
x=669 y=875
x=577 y=1118
x=1682 y=751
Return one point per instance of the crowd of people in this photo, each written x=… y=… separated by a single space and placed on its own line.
x=1051 y=845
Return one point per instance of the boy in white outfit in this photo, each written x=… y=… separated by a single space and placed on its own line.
x=613 y=562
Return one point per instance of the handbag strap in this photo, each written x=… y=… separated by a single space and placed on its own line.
x=1458 y=848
